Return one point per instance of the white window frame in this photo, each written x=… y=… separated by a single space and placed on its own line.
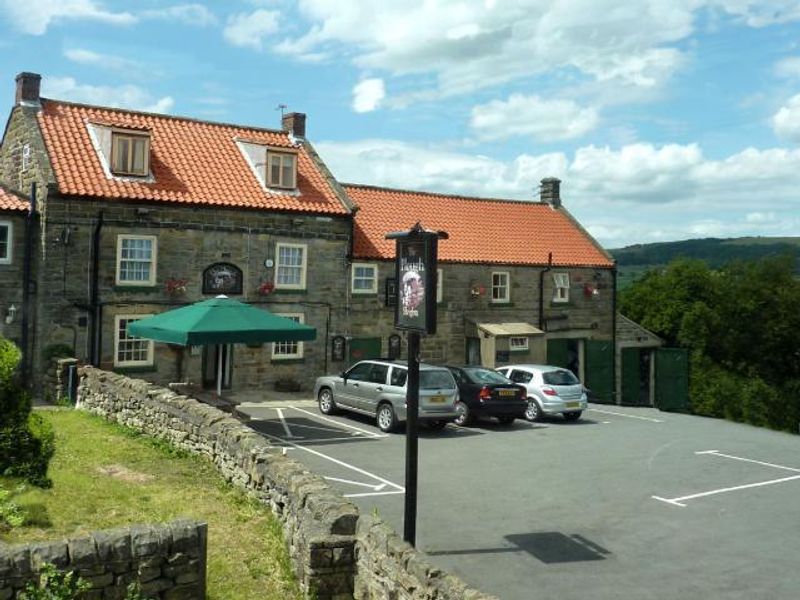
x=151 y=281
x=302 y=267
x=560 y=287
x=518 y=343
x=148 y=362
x=9 y=226
x=116 y=136
x=280 y=156
x=288 y=350
x=373 y=280
x=439 y=286
x=507 y=287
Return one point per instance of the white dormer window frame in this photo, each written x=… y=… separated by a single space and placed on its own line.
x=560 y=287
x=364 y=278
x=130 y=153
x=280 y=169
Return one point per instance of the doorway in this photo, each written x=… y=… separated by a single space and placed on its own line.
x=473 y=351
x=211 y=357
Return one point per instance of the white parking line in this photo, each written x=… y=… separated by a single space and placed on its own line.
x=397 y=489
x=340 y=424
x=286 y=429
x=608 y=412
x=680 y=501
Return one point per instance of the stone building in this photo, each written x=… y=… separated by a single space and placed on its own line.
x=139 y=213
x=518 y=282
x=14 y=232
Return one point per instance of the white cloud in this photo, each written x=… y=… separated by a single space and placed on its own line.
x=786 y=122
x=191 y=14
x=248 y=29
x=788 y=67
x=532 y=116
x=368 y=95
x=35 y=16
x=124 y=96
x=635 y=193
x=104 y=61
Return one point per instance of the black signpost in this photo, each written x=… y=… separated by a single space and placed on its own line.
x=415 y=312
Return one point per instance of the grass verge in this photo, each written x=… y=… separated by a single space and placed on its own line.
x=107 y=476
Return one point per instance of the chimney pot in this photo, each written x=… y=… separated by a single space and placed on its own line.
x=294 y=123
x=551 y=191
x=28 y=88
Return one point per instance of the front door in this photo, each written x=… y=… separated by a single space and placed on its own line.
x=473 y=351
x=211 y=357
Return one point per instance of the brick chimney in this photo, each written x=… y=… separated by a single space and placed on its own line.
x=551 y=191
x=28 y=88
x=295 y=123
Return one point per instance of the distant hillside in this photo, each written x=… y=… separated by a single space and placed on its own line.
x=635 y=260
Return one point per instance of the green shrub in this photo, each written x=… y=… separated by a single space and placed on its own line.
x=11 y=515
x=55 y=585
x=26 y=441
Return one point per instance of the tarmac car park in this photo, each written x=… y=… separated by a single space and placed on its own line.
x=626 y=503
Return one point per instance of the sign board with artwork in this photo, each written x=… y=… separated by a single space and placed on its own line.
x=415 y=267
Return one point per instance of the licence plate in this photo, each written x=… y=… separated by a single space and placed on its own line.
x=436 y=399
x=508 y=392
x=573 y=404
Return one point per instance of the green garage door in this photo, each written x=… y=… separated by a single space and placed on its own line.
x=558 y=352
x=364 y=348
x=631 y=376
x=672 y=379
x=599 y=370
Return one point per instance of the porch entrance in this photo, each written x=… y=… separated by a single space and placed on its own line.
x=211 y=358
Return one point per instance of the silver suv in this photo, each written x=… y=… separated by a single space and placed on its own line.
x=551 y=390
x=378 y=388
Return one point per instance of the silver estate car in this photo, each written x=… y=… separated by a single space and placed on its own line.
x=378 y=388
x=551 y=390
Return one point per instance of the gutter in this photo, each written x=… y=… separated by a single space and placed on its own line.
x=541 y=289
x=95 y=309
x=27 y=283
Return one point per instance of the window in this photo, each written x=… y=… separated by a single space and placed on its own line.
x=561 y=289
x=6 y=242
x=365 y=278
x=281 y=170
x=286 y=350
x=439 y=286
x=130 y=154
x=136 y=260
x=516 y=344
x=290 y=266
x=399 y=377
x=378 y=373
x=360 y=372
x=500 y=292
x=130 y=351
x=520 y=376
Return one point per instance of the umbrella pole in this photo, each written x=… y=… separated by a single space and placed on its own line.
x=219 y=370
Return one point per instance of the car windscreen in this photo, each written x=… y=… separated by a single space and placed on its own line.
x=479 y=375
x=560 y=377
x=435 y=379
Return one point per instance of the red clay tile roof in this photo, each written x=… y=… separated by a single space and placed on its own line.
x=480 y=230
x=193 y=162
x=10 y=200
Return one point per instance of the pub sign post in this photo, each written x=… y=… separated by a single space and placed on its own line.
x=415 y=312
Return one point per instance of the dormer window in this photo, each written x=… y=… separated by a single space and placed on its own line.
x=130 y=153
x=281 y=170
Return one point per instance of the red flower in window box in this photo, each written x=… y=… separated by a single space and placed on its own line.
x=175 y=287
x=266 y=288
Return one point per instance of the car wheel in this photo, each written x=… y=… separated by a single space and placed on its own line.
x=387 y=420
x=573 y=416
x=326 y=404
x=464 y=417
x=506 y=420
x=533 y=412
x=436 y=425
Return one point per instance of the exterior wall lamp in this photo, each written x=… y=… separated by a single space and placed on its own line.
x=11 y=312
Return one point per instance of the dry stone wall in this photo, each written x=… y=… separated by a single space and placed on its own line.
x=168 y=561
x=335 y=554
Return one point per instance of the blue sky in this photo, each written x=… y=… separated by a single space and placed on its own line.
x=665 y=119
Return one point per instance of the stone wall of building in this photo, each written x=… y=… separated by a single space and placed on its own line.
x=319 y=525
x=467 y=295
x=168 y=561
x=11 y=278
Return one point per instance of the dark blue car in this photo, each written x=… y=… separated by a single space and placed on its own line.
x=486 y=393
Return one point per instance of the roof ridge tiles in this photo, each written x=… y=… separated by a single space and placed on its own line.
x=379 y=188
x=145 y=113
